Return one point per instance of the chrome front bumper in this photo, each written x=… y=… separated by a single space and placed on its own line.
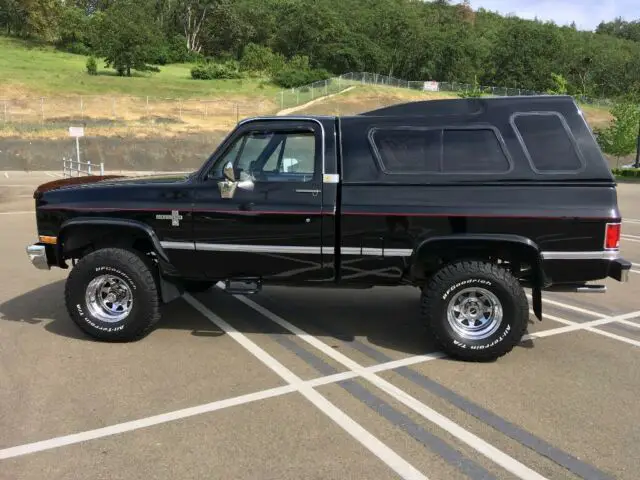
x=38 y=256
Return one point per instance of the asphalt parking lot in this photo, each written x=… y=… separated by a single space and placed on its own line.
x=310 y=383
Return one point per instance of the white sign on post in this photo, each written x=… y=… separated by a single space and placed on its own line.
x=76 y=132
x=431 y=86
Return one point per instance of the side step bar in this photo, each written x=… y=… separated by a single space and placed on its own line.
x=243 y=286
x=578 y=288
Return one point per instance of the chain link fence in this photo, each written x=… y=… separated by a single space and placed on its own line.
x=298 y=96
x=25 y=115
x=154 y=133
x=99 y=111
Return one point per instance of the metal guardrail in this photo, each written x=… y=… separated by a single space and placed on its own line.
x=77 y=168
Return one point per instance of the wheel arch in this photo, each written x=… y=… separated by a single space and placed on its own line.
x=513 y=248
x=79 y=232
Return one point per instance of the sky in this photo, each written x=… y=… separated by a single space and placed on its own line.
x=586 y=13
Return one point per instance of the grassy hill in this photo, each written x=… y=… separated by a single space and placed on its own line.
x=45 y=91
x=33 y=69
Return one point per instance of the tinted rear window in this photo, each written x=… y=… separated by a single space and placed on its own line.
x=473 y=151
x=406 y=151
x=548 y=142
x=409 y=151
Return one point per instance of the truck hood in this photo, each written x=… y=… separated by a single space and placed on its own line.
x=104 y=180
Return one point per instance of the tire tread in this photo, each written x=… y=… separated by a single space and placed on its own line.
x=143 y=270
x=452 y=273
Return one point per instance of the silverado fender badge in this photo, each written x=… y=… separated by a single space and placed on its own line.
x=175 y=218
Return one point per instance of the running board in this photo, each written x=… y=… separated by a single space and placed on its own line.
x=242 y=286
x=579 y=288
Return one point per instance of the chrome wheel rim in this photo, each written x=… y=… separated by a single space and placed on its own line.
x=474 y=313
x=109 y=298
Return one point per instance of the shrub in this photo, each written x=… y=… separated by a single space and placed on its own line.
x=216 y=71
x=619 y=139
x=475 y=92
x=78 y=48
x=299 y=62
x=627 y=172
x=149 y=68
x=177 y=51
x=92 y=66
x=291 y=77
x=173 y=50
x=260 y=59
x=255 y=58
x=200 y=72
x=160 y=56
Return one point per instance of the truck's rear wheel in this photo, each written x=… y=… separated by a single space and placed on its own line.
x=476 y=310
x=111 y=294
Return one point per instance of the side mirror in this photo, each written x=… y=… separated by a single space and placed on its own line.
x=246 y=182
x=229 y=173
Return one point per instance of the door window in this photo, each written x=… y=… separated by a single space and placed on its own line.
x=272 y=156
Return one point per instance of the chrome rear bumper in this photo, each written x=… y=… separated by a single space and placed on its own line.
x=38 y=256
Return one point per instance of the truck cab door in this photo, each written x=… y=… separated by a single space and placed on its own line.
x=258 y=210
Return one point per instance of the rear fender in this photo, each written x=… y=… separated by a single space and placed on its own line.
x=511 y=247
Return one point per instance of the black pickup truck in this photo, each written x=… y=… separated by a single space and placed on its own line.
x=469 y=200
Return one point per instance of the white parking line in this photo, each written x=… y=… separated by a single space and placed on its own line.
x=50 y=175
x=201 y=409
x=618 y=319
x=590 y=327
x=630 y=220
x=507 y=462
x=248 y=398
x=18 y=213
x=628 y=238
x=573 y=308
x=143 y=422
x=6 y=175
x=357 y=431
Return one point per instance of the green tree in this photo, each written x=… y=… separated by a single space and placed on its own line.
x=560 y=85
x=620 y=138
x=74 y=26
x=13 y=16
x=475 y=91
x=193 y=16
x=125 y=37
x=43 y=17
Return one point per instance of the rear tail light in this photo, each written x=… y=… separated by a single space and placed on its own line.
x=612 y=236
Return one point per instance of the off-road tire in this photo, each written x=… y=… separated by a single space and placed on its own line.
x=136 y=272
x=455 y=277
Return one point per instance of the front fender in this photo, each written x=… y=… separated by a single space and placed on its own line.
x=169 y=289
x=119 y=223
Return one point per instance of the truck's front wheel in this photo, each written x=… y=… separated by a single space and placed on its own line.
x=476 y=310
x=111 y=294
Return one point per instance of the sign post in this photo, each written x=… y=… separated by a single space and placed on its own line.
x=77 y=132
x=637 y=164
